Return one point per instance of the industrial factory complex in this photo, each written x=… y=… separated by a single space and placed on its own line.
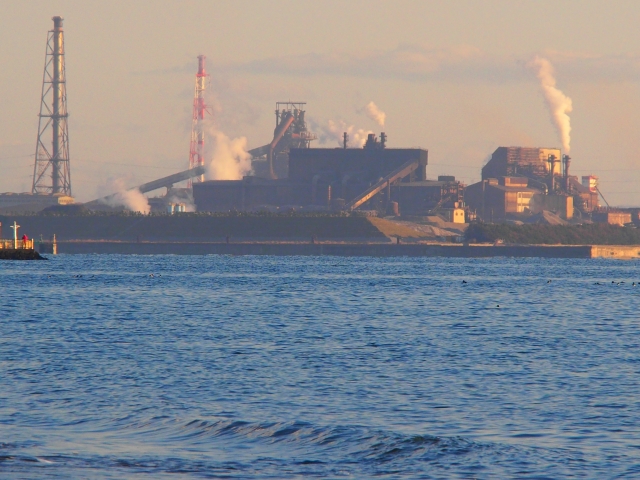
x=519 y=184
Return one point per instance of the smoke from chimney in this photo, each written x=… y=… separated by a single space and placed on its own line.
x=230 y=159
x=559 y=104
x=375 y=114
x=332 y=131
x=131 y=199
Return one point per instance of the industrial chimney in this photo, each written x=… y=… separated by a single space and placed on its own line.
x=566 y=160
x=196 y=147
x=552 y=168
x=53 y=161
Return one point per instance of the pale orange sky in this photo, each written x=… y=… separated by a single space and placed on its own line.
x=450 y=76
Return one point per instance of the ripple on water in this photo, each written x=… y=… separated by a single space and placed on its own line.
x=265 y=367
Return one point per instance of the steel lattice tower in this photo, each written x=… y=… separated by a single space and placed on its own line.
x=53 y=163
x=196 y=149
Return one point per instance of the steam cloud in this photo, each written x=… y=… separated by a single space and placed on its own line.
x=375 y=114
x=559 y=104
x=230 y=159
x=332 y=131
x=131 y=199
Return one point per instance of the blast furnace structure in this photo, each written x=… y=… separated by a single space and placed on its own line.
x=271 y=160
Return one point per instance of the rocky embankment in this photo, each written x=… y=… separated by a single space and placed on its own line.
x=20 y=254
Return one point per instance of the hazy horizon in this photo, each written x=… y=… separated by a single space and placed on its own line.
x=455 y=78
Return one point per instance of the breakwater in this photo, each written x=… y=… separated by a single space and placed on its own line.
x=197 y=228
x=20 y=254
x=347 y=249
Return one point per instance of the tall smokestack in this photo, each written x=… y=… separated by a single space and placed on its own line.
x=55 y=109
x=55 y=85
x=552 y=167
x=566 y=159
x=196 y=149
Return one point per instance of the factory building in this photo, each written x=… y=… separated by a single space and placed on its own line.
x=250 y=193
x=612 y=217
x=497 y=199
x=340 y=178
x=347 y=172
x=288 y=173
x=588 y=191
x=519 y=181
x=493 y=199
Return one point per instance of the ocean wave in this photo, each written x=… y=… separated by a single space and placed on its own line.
x=297 y=449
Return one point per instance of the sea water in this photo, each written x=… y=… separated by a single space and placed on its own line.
x=330 y=367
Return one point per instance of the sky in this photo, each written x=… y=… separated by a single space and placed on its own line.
x=454 y=77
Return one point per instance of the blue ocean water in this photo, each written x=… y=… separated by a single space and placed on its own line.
x=298 y=367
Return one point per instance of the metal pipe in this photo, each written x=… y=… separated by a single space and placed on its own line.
x=605 y=200
x=279 y=133
x=162 y=182
x=401 y=172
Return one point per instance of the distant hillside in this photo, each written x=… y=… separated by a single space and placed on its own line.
x=595 y=234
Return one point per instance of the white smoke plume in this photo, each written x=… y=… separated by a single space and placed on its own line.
x=375 y=114
x=230 y=159
x=332 y=131
x=131 y=199
x=559 y=104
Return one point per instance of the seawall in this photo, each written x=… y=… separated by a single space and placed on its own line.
x=337 y=249
x=623 y=252
x=195 y=228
